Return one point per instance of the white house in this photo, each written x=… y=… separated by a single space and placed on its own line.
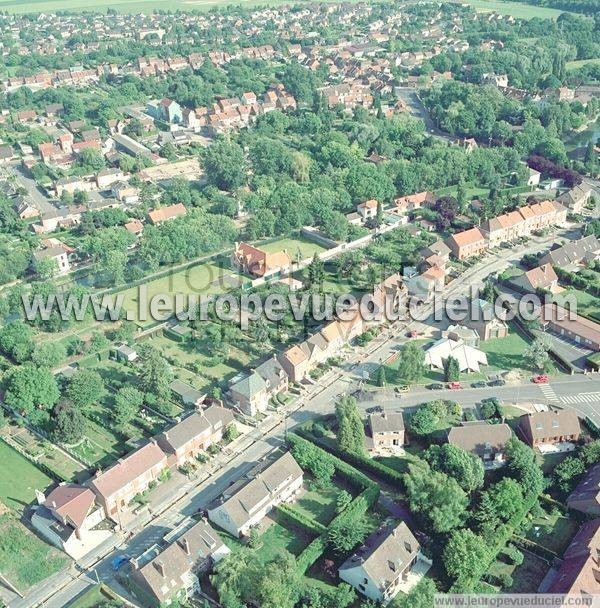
x=469 y=358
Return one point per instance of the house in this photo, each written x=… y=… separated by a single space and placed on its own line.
x=368 y=209
x=390 y=298
x=469 y=358
x=134 y=226
x=586 y=496
x=487 y=441
x=108 y=177
x=166 y=110
x=533 y=179
x=576 y=198
x=125 y=353
x=194 y=434
x=66 y=518
x=125 y=193
x=389 y=561
x=57 y=254
x=172 y=574
x=245 y=503
x=254 y=261
x=460 y=332
x=549 y=428
x=467 y=244
x=187 y=395
x=296 y=362
x=385 y=432
x=487 y=319
x=275 y=377
x=439 y=248
x=405 y=204
x=541 y=277
x=249 y=394
x=6 y=154
x=574 y=253
x=164 y=214
x=563 y=322
x=578 y=573
x=117 y=486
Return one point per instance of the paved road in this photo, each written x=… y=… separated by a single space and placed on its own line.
x=317 y=400
x=38 y=199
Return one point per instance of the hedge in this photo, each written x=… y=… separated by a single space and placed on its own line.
x=543 y=552
x=378 y=469
x=311 y=554
x=592 y=427
x=297 y=518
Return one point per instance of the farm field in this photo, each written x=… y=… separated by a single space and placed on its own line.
x=516 y=9
x=571 y=65
x=19 y=479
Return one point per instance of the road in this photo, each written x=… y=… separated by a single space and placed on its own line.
x=37 y=198
x=317 y=400
x=417 y=109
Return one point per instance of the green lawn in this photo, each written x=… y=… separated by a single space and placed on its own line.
x=319 y=504
x=294 y=245
x=587 y=304
x=554 y=532
x=516 y=9
x=19 y=479
x=278 y=538
x=581 y=62
x=25 y=559
x=95 y=596
x=526 y=577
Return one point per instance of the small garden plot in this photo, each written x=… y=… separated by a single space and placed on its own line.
x=278 y=538
x=398 y=463
x=19 y=479
x=319 y=504
x=525 y=578
x=552 y=531
x=587 y=304
x=100 y=446
x=25 y=560
x=94 y=596
x=113 y=373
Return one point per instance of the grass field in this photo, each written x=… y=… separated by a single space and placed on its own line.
x=19 y=479
x=94 y=596
x=587 y=304
x=25 y=559
x=293 y=246
x=516 y=9
x=553 y=531
x=573 y=65
x=526 y=577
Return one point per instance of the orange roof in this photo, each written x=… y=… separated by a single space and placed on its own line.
x=331 y=331
x=295 y=355
x=370 y=204
x=166 y=213
x=526 y=212
x=134 y=226
x=468 y=237
x=435 y=272
x=279 y=259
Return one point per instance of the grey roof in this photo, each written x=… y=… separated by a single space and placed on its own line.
x=265 y=481
x=186 y=553
x=573 y=252
x=385 y=554
x=193 y=426
x=185 y=391
x=479 y=437
x=249 y=386
x=270 y=371
x=574 y=195
x=386 y=422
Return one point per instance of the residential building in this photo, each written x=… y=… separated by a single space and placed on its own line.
x=244 y=504
x=296 y=362
x=390 y=561
x=550 y=427
x=166 y=110
x=385 y=433
x=467 y=244
x=256 y=262
x=368 y=209
x=469 y=358
x=412 y=202
x=186 y=394
x=125 y=353
x=586 y=496
x=541 y=277
x=487 y=319
x=578 y=573
x=249 y=394
x=485 y=440
x=164 y=214
x=194 y=434
x=576 y=198
x=570 y=325
x=172 y=574
x=117 y=486
x=573 y=253
x=275 y=377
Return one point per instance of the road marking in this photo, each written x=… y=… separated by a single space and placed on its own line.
x=581 y=398
x=548 y=392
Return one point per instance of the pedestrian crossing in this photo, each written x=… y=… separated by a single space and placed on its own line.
x=548 y=392
x=581 y=398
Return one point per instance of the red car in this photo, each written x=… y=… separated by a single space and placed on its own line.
x=454 y=385
x=541 y=379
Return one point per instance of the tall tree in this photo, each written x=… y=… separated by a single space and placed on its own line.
x=351 y=431
x=411 y=363
x=86 y=387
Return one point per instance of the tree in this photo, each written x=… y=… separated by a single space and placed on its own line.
x=155 y=373
x=436 y=499
x=346 y=533
x=423 y=421
x=16 y=341
x=523 y=467
x=381 y=381
x=451 y=369
x=537 y=353
x=49 y=354
x=310 y=457
x=498 y=504
x=128 y=402
x=464 y=554
x=315 y=272
x=420 y=596
x=351 y=431
x=411 y=363
x=567 y=472
x=225 y=165
x=457 y=463
x=31 y=391
x=70 y=424
x=86 y=387
x=231 y=433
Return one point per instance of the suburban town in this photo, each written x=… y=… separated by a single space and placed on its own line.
x=171 y=172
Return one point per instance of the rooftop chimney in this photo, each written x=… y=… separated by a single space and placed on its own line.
x=160 y=567
x=185 y=545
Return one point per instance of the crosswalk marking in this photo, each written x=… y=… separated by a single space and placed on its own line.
x=548 y=392
x=581 y=398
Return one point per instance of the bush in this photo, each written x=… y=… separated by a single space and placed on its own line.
x=513 y=555
x=505 y=580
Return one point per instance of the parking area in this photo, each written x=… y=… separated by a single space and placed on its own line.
x=570 y=351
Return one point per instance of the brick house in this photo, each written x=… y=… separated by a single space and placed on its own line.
x=549 y=428
x=467 y=244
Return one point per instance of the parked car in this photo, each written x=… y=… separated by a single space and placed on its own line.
x=540 y=379
x=413 y=333
x=375 y=410
x=479 y=384
x=454 y=386
x=497 y=382
x=402 y=389
x=436 y=386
